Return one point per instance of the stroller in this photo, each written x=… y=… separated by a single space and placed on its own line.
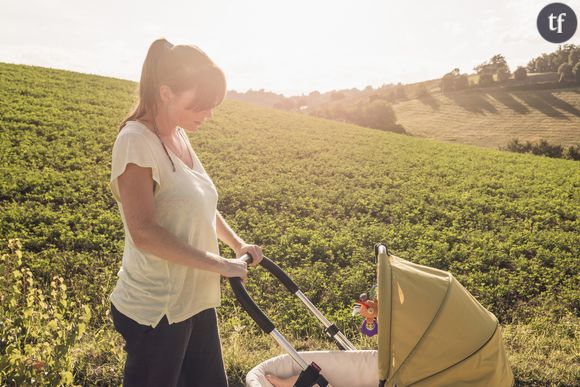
x=431 y=332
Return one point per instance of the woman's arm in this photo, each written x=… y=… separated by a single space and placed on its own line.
x=139 y=209
x=227 y=235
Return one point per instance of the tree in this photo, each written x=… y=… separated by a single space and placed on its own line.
x=576 y=71
x=338 y=111
x=301 y=101
x=540 y=66
x=462 y=82
x=568 y=53
x=454 y=80
x=336 y=96
x=375 y=96
x=379 y=115
x=502 y=75
x=493 y=65
x=520 y=74
x=496 y=65
x=447 y=83
x=391 y=96
x=485 y=79
x=543 y=147
x=285 y=104
x=564 y=72
x=574 y=56
x=571 y=152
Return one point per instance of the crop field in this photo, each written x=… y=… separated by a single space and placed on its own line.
x=315 y=194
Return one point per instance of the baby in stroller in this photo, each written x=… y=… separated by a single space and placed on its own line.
x=278 y=382
x=367 y=307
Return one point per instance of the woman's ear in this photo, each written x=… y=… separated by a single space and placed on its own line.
x=166 y=94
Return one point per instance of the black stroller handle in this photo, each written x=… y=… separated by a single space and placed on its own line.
x=263 y=321
x=267 y=264
x=310 y=374
x=246 y=301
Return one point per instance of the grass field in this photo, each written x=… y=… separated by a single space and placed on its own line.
x=492 y=118
x=315 y=194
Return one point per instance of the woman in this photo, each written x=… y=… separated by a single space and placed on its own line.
x=169 y=282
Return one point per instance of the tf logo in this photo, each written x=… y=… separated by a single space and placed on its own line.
x=557 y=22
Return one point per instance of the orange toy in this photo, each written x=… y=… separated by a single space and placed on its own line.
x=368 y=309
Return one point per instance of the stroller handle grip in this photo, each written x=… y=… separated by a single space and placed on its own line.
x=275 y=270
x=248 y=303
x=250 y=306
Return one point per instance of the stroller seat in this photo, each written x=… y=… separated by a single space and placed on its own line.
x=340 y=368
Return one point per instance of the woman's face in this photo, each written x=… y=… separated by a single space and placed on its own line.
x=184 y=114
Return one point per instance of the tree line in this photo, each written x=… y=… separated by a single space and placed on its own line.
x=565 y=61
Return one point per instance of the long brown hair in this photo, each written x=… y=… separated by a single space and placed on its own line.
x=181 y=67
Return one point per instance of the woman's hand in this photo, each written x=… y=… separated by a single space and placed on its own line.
x=235 y=268
x=254 y=250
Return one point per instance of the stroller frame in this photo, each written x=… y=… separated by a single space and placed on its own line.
x=310 y=374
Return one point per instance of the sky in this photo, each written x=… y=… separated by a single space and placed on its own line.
x=288 y=47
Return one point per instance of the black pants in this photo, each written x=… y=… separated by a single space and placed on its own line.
x=187 y=353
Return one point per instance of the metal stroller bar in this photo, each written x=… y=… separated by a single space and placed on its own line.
x=331 y=330
x=268 y=327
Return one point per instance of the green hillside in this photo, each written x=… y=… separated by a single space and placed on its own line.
x=491 y=118
x=315 y=194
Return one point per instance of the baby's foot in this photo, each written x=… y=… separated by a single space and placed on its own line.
x=277 y=382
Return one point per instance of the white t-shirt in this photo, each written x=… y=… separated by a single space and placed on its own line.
x=148 y=286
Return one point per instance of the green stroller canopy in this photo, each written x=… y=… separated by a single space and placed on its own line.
x=432 y=331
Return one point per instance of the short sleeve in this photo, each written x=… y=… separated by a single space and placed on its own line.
x=131 y=147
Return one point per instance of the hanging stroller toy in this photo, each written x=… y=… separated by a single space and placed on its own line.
x=431 y=332
x=369 y=310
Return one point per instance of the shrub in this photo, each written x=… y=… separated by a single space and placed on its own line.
x=520 y=74
x=544 y=148
x=564 y=72
x=421 y=91
x=502 y=74
x=571 y=153
x=337 y=96
x=516 y=146
x=576 y=72
x=485 y=79
x=447 y=83
x=461 y=82
x=379 y=115
x=39 y=327
x=454 y=81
